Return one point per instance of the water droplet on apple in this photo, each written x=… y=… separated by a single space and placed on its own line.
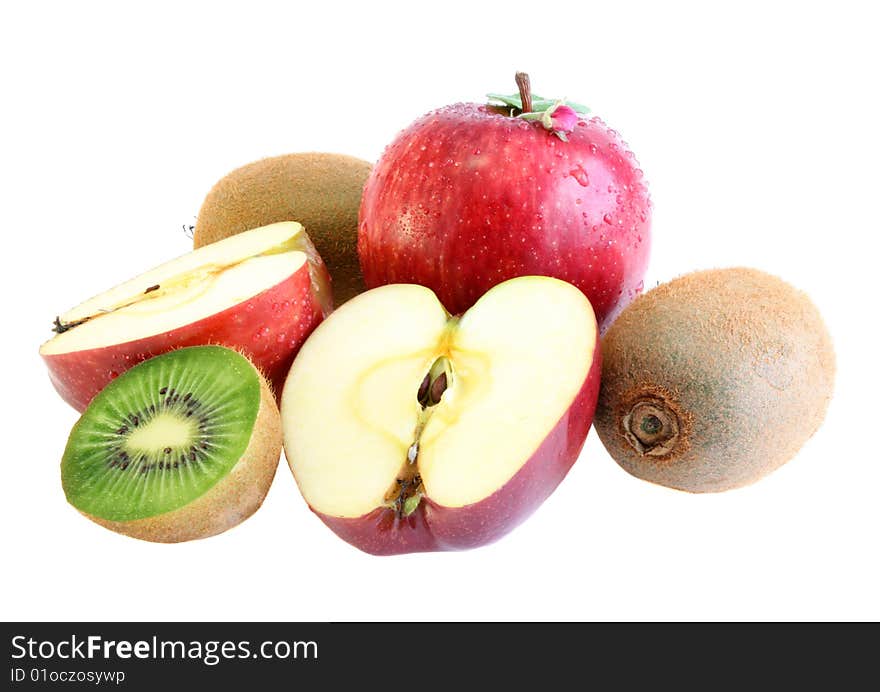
x=607 y=219
x=579 y=174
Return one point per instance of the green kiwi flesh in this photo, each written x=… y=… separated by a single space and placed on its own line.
x=713 y=380
x=162 y=434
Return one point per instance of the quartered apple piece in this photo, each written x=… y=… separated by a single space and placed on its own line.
x=410 y=430
x=261 y=292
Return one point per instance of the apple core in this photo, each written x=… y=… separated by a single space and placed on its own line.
x=405 y=494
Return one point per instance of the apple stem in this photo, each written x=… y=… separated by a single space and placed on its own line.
x=525 y=91
x=60 y=327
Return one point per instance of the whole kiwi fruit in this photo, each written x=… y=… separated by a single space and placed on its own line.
x=322 y=191
x=713 y=380
x=179 y=447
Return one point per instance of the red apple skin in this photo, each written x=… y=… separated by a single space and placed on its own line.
x=433 y=527
x=268 y=328
x=467 y=197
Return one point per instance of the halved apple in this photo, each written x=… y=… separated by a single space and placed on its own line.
x=261 y=292
x=409 y=430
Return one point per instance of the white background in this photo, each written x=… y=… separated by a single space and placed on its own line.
x=757 y=128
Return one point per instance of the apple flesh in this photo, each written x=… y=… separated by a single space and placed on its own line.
x=261 y=292
x=467 y=197
x=409 y=430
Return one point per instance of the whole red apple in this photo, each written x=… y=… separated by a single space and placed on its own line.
x=471 y=195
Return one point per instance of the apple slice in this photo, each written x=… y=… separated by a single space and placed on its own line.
x=409 y=430
x=261 y=292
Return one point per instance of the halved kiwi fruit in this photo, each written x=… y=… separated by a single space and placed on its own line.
x=713 y=380
x=319 y=190
x=179 y=447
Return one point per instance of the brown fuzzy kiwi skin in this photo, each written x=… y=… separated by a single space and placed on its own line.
x=232 y=500
x=738 y=363
x=319 y=190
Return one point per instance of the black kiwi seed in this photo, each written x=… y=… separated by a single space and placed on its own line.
x=189 y=406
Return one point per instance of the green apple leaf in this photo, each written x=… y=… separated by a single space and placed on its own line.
x=514 y=100
x=539 y=103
